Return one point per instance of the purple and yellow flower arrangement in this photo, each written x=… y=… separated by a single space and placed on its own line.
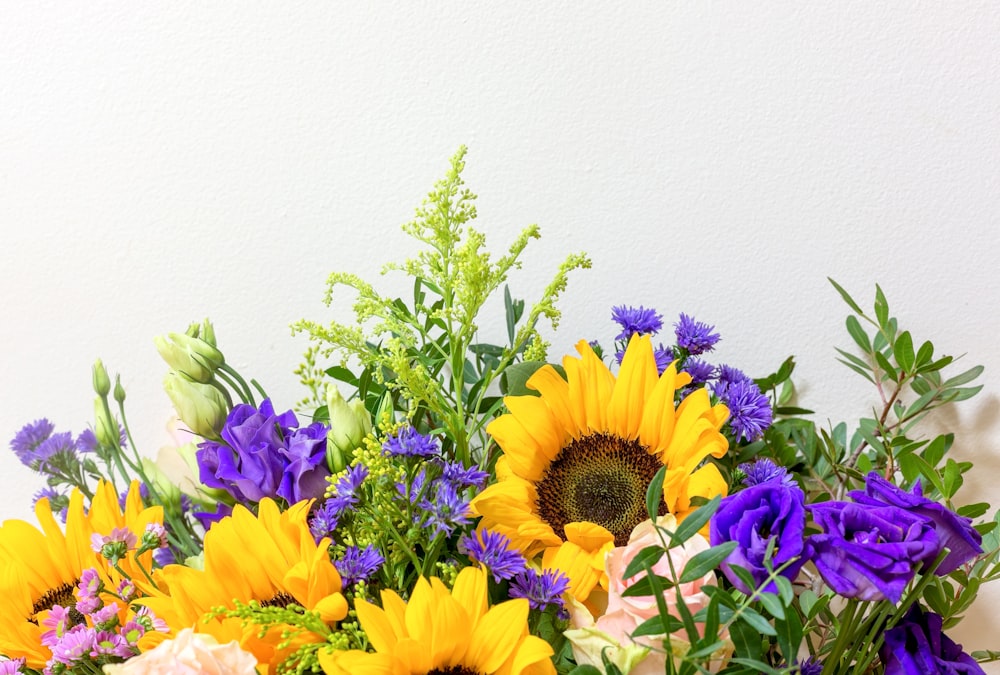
x=438 y=505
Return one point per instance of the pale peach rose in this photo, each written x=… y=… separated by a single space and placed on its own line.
x=612 y=629
x=189 y=653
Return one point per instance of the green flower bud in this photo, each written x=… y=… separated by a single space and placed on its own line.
x=119 y=390
x=105 y=428
x=189 y=355
x=102 y=384
x=349 y=424
x=200 y=406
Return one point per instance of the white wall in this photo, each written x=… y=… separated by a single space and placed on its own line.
x=160 y=165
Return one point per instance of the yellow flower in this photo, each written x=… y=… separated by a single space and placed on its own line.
x=442 y=632
x=578 y=458
x=271 y=558
x=41 y=568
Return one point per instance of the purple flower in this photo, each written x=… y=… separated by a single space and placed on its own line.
x=26 y=441
x=490 y=549
x=700 y=371
x=693 y=336
x=749 y=410
x=636 y=320
x=74 y=645
x=208 y=518
x=326 y=517
x=12 y=667
x=869 y=552
x=463 y=477
x=446 y=509
x=359 y=564
x=753 y=517
x=58 y=622
x=916 y=646
x=265 y=455
x=541 y=590
x=108 y=643
x=811 y=667
x=954 y=531
x=87 y=441
x=408 y=442
x=763 y=470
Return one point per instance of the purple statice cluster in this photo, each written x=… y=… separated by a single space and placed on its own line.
x=868 y=548
x=344 y=498
x=263 y=454
x=94 y=632
x=749 y=409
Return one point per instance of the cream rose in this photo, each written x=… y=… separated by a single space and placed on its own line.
x=189 y=653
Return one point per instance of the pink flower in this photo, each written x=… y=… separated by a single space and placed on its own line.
x=644 y=655
x=189 y=653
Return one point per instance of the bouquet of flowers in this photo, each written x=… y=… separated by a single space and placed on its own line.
x=437 y=505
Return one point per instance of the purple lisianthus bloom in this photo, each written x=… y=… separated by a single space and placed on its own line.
x=753 y=517
x=208 y=518
x=916 y=646
x=954 y=531
x=263 y=454
x=635 y=320
x=694 y=337
x=869 y=552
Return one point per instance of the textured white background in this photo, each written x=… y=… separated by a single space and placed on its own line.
x=160 y=165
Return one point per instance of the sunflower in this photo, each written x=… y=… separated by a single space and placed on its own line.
x=442 y=632
x=270 y=557
x=578 y=458
x=41 y=568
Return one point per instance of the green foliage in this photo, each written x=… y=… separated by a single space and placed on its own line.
x=419 y=356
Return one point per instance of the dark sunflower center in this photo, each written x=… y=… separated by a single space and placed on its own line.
x=600 y=479
x=453 y=670
x=62 y=596
x=281 y=599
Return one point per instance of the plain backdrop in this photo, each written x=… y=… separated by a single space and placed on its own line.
x=162 y=164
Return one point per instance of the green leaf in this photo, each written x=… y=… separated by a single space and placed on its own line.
x=924 y=355
x=789 y=635
x=342 y=374
x=586 y=669
x=746 y=640
x=647 y=556
x=647 y=586
x=514 y=380
x=789 y=410
x=847 y=298
x=903 y=351
x=762 y=625
x=706 y=651
x=881 y=307
x=772 y=603
x=696 y=520
x=884 y=364
x=973 y=510
x=807 y=601
x=658 y=625
x=785 y=590
x=952 y=478
x=756 y=666
x=858 y=334
x=654 y=493
x=706 y=561
x=963 y=378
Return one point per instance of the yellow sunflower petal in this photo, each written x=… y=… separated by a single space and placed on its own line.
x=496 y=638
x=636 y=380
x=554 y=391
x=379 y=629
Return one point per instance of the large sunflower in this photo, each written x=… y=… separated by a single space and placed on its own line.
x=578 y=458
x=442 y=632
x=40 y=568
x=270 y=557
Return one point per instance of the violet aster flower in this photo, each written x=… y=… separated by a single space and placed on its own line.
x=869 y=552
x=954 y=531
x=916 y=646
x=811 y=667
x=762 y=470
x=491 y=549
x=409 y=442
x=635 y=320
x=358 y=564
x=540 y=589
x=694 y=337
x=26 y=441
x=700 y=371
x=749 y=410
x=265 y=455
x=753 y=517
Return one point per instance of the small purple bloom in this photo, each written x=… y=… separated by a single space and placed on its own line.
x=693 y=336
x=541 y=590
x=753 y=517
x=408 y=442
x=700 y=371
x=86 y=441
x=464 y=477
x=58 y=622
x=954 y=531
x=325 y=518
x=106 y=617
x=869 y=552
x=635 y=320
x=12 y=667
x=749 y=410
x=490 y=549
x=107 y=643
x=446 y=510
x=75 y=645
x=916 y=646
x=58 y=502
x=26 y=441
x=90 y=584
x=57 y=450
x=663 y=356
x=763 y=470
x=208 y=518
x=811 y=667
x=163 y=557
x=358 y=564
